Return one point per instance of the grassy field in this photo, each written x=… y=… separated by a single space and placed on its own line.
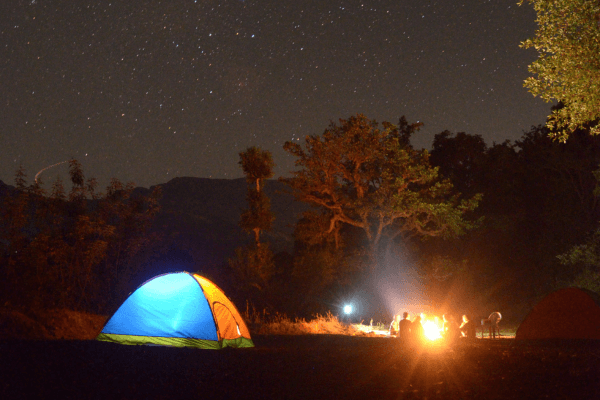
x=321 y=366
x=321 y=358
x=330 y=324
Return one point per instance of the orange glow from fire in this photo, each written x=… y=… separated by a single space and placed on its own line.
x=432 y=331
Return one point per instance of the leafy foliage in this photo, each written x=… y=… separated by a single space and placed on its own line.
x=258 y=216
x=584 y=260
x=372 y=179
x=538 y=202
x=568 y=67
x=258 y=166
x=460 y=159
x=254 y=264
x=71 y=251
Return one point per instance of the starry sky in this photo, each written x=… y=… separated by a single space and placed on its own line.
x=149 y=90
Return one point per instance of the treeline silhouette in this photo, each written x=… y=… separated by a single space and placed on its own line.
x=81 y=249
x=533 y=230
x=71 y=249
x=539 y=202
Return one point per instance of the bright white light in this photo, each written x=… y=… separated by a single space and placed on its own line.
x=348 y=309
x=432 y=331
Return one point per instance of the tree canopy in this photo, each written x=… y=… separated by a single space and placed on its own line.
x=568 y=66
x=253 y=265
x=538 y=202
x=373 y=180
x=257 y=166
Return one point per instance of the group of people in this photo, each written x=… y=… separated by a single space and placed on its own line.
x=406 y=329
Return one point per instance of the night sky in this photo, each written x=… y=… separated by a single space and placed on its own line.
x=146 y=91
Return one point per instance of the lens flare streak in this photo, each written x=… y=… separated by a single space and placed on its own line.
x=42 y=170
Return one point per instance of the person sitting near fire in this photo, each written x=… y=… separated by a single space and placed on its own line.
x=395 y=326
x=405 y=326
x=417 y=331
x=468 y=328
x=450 y=328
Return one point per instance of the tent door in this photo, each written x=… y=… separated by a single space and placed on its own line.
x=226 y=323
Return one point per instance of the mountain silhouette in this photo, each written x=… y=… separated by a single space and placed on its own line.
x=200 y=217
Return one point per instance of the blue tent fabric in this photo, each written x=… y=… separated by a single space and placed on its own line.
x=170 y=309
x=170 y=305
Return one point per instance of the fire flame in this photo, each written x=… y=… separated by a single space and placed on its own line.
x=432 y=330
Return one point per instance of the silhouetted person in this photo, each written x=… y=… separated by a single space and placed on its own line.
x=468 y=328
x=417 y=331
x=395 y=326
x=492 y=323
x=405 y=327
x=450 y=328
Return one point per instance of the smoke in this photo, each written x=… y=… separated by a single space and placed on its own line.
x=399 y=285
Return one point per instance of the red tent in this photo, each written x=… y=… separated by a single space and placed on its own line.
x=570 y=313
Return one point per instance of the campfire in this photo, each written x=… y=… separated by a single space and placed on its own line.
x=433 y=330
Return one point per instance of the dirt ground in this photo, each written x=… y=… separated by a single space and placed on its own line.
x=300 y=367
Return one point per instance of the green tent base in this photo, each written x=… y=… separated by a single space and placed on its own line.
x=175 y=342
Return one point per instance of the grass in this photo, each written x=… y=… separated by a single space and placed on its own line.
x=44 y=324
x=279 y=324
x=320 y=324
x=509 y=330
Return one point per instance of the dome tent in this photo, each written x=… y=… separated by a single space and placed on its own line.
x=570 y=313
x=178 y=309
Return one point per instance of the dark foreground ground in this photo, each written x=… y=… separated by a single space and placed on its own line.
x=300 y=367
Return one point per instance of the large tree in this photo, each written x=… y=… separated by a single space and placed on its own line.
x=372 y=180
x=568 y=66
x=538 y=201
x=253 y=265
x=257 y=166
x=460 y=158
